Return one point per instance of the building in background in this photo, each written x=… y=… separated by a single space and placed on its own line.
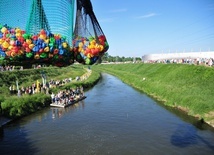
x=178 y=56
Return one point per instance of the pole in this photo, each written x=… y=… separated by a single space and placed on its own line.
x=17 y=84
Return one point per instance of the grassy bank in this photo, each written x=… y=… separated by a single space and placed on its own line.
x=28 y=76
x=187 y=87
x=16 y=107
x=86 y=84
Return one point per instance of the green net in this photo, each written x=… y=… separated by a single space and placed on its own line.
x=60 y=15
x=14 y=13
x=43 y=31
x=34 y=15
x=37 y=19
x=89 y=41
x=36 y=31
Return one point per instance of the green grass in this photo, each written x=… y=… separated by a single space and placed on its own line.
x=188 y=87
x=16 y=107
x=28 y=76
x=86 y=84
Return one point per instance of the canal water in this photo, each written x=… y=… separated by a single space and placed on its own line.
x=114 y=119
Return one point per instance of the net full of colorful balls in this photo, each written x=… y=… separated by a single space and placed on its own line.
x=17 y=45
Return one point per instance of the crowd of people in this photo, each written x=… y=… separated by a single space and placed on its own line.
x=62 y=97
x=197 y=61
x=30 y=90
x=38 y=87
x=12 y=68
x=67 y=96
x=8 y=68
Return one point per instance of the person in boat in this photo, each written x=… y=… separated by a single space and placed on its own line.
x=63 y=95
x=71 y=99
x=67 y=93
x=77 y=91
x=52 y=97
x=81 y=91
x=67 y=96
x=57 y=98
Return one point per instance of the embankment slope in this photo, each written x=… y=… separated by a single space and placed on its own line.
x=189 y=88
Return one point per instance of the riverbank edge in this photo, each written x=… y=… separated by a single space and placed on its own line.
x=88 y=83
x=161 y=100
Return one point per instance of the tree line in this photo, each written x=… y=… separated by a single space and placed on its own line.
x=108 y=58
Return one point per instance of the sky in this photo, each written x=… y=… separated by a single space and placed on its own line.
x=134 y=28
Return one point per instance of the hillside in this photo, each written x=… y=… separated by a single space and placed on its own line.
x=189 y=88
x=15 y=106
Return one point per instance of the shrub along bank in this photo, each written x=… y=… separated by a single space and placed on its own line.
x=14 y=107
x=186 y=87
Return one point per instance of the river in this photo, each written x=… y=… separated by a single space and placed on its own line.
x=113 y=119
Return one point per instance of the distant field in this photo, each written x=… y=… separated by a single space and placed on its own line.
x=187 y=87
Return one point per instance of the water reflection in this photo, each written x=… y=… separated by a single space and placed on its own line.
x=200 y=124
x=113 y=119
x=59 y=112
x=1 y=132
x=10 y=145
x=186 y=135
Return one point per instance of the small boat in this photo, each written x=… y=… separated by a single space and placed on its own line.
x=63 y=105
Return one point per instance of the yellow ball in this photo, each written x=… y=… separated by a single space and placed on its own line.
x=47 y=41
x=28 y=41
x=10 y=47
x=36 y=56
x=13 y=54
x=88 y=55
x=101 y=48
x=5 y=44
x=3 y=29
x=1 y=41
x=31 y=46
x=93 y=42
x=91 y=46
x=42 y=36
x=20 y=52
x=18 y=34
x=47 y=49
x=80 y=49
x=80 y=44
x=18 y=30
x=64 y=45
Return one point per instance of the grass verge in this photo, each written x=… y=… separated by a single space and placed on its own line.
x=189 y=88
x=15 y=107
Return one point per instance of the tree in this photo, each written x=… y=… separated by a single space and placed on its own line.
x=108 y=58
x=105 y=57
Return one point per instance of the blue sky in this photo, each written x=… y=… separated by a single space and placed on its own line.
x=137 y=27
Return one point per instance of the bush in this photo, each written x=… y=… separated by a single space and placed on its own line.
x=15 y=107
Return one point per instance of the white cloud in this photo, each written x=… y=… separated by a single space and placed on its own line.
x=147 y=16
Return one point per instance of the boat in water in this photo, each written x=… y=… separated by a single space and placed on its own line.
x=67 y=103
